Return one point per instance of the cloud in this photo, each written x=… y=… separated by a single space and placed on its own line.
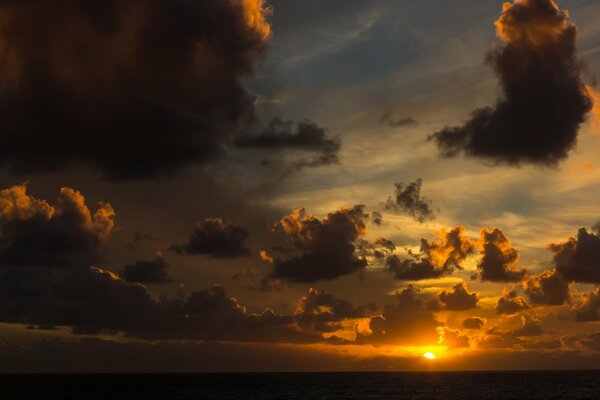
x=474 y=323
x=408 y=200
x=511 y=303
x=458 y=298
x=215 y=237
x=408 y=322
x=499 y=258
x=496 y=338
x=322 y=312
x=453 y=338
x=34 y=232
x=437 y=258
x=325 y=247
x=588 y=307
x=154 y=271
x=134 y=89
x=544 y=99
x=530 y=326
x=547 y=288
x=308 y=136
x=388 y=119
x=578 y=259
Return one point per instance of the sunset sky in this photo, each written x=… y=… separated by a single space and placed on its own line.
x=266 y=185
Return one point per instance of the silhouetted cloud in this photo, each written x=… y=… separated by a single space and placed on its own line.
x=326 y=246
x=136 y=89
x=474 y=323
x=34 y=232
x=530 y=326
x=215 y=237
x=544 y=99
x=388 y=119
x=308 y=136
x=453 y=338
x=323 y=312
x=154 y=271
x=408 y=200
x=578 y=259
x=437 y=258
x=511 y=303
x=588 y=307
x=499 y=258
x=458 y=298
x=408 y=322
x=548 y=288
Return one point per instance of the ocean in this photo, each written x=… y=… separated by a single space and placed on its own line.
x=344 y=385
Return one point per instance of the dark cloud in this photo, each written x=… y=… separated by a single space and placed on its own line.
x=547 y=288
x=308 y=136
x=34 y=232
x=588 y=307
x=544 y=98
x=154 y=271
x=135 y=89
x=408 y=200
x=530 y=326
x=578 y=259
x=323 y=312
x=458 y=298
x=499 y=258
x=326 y=247
x=388 y=119
x=377 y=218
x=436 y=259
x=474 y=323
x=453 y=338
x=511 y=303
x=215 y=237
x=378 y=249
x=496 y=338
x=408 y=322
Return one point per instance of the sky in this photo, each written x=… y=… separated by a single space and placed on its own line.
x=255 y=185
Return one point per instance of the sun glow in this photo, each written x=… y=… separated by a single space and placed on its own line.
x=429 y=356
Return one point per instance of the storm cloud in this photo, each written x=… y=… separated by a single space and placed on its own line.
x=154 y=271
x=134 y=89
x=544 y=98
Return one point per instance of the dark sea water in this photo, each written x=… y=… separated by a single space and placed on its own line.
x=401 y=385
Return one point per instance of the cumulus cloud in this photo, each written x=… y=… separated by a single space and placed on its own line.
x=588 y=307
x=323 y=312
x=135 y=89
x=215 y=237
x=325 y=248
x=547 y=288
x=474 y=323
x=544 y=99
x=408 y=322
x=437 y=258
x=154 y=271
x=511 y=303
x=452 y=338
x=458 y=298
x=498 y=263
x=530 y=326
x=578 y=259
x=34 y=232
x=407 y=199
x=308 y=136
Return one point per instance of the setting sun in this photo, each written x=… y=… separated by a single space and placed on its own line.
x=429 y=356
